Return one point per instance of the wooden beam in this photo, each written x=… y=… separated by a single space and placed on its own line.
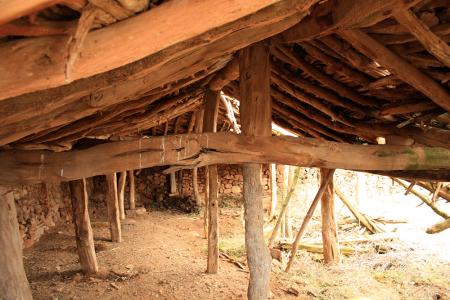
x=14 y=9
x=401 y=68
x=132 y=190
x=13 y=281
x=83 y=229
x=343 y=14
x=327 y=178
x=256 y=118
x=210 y=125
x=196 y=150
x=229 y=73
x=112 y=204
x=216 y=18
x=331 y=252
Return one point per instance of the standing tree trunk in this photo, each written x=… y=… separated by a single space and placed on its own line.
x=112 y=203
x=13 y=281
x=121 y=193
x=256 y=118
x=83 y=229
x=331 y=253
x=132 y=190
x=210 y=125
x=274 y=189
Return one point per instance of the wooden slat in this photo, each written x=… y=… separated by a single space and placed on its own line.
x=40 y=62
x=434 y=44
x=401 y=68
x=212 y=148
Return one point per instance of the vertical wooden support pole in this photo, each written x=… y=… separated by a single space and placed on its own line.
x=256 y=120
x=132 y=190
x=274 y=190
x=198 y=128
x=287 y=215
x=331 y=253
x=121 y=194
x=173 y=183
x=112 y=203
x=83 y=229
x=210 y=125
x=13 y=281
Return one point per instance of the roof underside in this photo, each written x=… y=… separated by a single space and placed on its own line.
x=349 y=85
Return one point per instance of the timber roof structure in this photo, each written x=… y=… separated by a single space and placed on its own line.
x=76 y=73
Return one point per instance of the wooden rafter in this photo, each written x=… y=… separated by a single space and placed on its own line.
x=402 y=69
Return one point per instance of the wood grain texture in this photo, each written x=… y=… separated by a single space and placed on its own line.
x=196 y=150
x=256 y=120
x=112 y=204
x=13 y=281
x=83 y=229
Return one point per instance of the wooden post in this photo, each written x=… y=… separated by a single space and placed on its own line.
x=210 y=125
x=196 y=194
x=83 y=229
x=326 y=179
x=132 y=190
x=256 y=118
x=287 y=215
x=121 y=193
x=198 y=128
x=173 y=183
x=329 y=229
x=112 y=203
x=13 y=281
x=274 y=189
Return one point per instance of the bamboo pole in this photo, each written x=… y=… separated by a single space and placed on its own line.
x=307 y=218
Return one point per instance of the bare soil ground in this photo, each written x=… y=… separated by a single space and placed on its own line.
x=163 y=256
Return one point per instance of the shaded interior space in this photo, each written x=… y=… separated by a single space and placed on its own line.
x=221 y=149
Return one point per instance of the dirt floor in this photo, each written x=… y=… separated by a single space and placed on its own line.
x=163 y=256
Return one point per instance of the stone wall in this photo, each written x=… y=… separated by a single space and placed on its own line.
x=40 y=207
x=153 y=186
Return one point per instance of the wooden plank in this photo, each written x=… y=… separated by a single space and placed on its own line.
x=397 y=65
x=430 y=41
x=112 y=204
x=13 y=281
x=210 y=125
x=256 y=120
x=101 y=47
x=343 y=14
x=202 y=54
x=331 y=252
x=213 y=148
x=83 y=229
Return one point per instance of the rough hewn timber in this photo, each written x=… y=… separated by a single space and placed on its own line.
x=13 y=281
x=196 y=150
x=132 y=189
x=210 y=125
x=398 y=66
x=83 y=229
x=330 y=241
x=200 y=54
x=343 y=14
x=256 y=117
x=112 y=204
x=121 y=193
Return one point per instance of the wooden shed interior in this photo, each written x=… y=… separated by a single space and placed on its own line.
x=94 y=87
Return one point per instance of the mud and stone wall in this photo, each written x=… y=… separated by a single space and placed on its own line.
x=40 y=207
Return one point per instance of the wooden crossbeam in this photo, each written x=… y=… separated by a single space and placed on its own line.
x=401 y=68
x=343 y=14
x=434 y=44
x=212 y=148
x=101 y=46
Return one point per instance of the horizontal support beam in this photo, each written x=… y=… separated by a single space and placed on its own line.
x=213 y=148
x=35 y=64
